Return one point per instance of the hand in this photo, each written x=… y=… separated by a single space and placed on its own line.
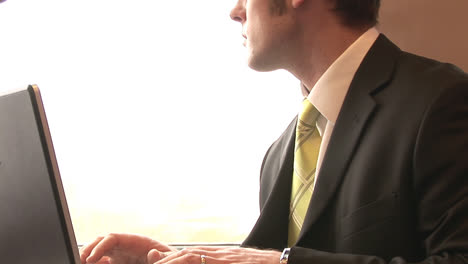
x=222 y=255
x=124 y=249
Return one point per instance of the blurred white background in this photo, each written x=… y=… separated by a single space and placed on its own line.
x=159 y=126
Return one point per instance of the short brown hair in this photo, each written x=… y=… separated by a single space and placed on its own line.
x=357 y=13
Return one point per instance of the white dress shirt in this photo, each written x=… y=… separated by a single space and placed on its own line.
x=330 y=90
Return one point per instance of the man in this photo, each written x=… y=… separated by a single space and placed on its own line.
x=389 y=180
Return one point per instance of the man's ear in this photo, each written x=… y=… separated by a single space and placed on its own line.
x=297 y=3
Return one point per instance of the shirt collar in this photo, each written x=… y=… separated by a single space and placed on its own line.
x=330 y=90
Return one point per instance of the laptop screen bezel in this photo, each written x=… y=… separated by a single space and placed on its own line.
x=54 y=173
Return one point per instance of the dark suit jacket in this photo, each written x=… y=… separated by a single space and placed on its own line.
x=393 y=185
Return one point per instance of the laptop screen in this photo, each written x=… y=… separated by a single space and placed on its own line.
x=35 y=225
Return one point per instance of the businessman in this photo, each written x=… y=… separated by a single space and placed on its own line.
x=374 y=169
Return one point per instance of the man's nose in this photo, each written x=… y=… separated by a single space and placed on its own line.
x=238 y=12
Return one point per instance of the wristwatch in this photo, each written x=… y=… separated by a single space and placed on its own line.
x=285 y=256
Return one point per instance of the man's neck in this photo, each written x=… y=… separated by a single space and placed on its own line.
x=317 y=55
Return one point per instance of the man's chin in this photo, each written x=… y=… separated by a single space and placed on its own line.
x=261 y=65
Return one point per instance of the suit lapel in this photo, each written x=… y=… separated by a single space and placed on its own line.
x=375 y=71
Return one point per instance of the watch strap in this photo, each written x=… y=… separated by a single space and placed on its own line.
x=285 y=256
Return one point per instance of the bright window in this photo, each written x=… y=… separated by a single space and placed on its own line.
x=159 y=126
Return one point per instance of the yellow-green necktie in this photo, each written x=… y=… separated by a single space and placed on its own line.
x=307 y=148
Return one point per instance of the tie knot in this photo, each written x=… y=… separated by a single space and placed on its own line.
x=309 y=113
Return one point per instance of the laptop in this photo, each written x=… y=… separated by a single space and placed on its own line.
x=35 y=224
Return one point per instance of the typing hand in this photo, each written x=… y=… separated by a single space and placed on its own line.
x=221 y=255
x=124 y=249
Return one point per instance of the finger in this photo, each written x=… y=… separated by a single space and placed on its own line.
x=155 y=255
x=227 y=255
x=210 y=260
x=86 y=250
x=104 y=260
x=209 y=250
x=172 y=256
x=193 y=253
x=181 y=258
x=105 y=245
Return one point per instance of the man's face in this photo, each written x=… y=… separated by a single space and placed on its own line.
x=268 y=28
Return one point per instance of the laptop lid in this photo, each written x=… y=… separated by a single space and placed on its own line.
x=35 y=224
